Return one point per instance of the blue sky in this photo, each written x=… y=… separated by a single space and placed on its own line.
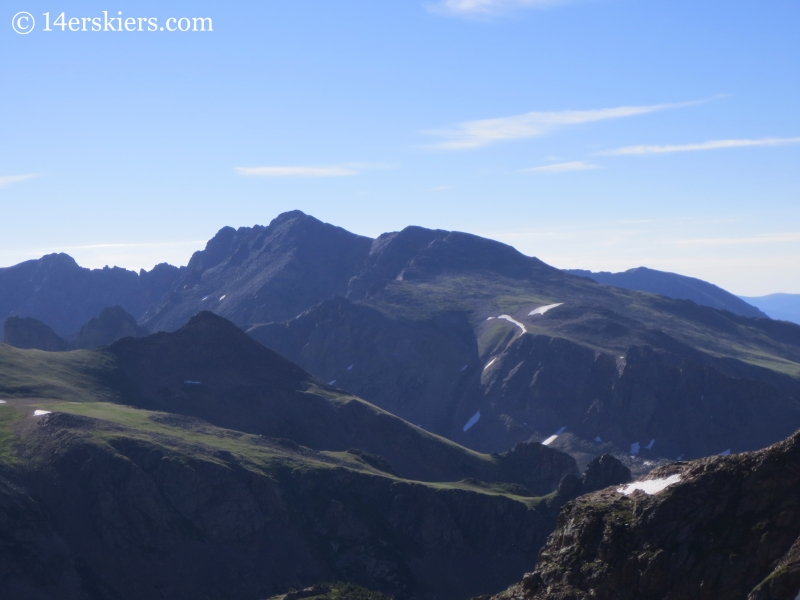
x=600 y=134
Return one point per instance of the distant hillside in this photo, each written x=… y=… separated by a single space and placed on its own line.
x=675 y=286
x=784 y=307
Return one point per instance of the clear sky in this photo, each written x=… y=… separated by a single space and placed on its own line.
x=599 y=134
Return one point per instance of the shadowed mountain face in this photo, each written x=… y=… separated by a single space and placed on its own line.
x=31 y=334
x=722 y=527
x=263 y=274
x=112 y=324
x=55 y=290
x=212 y=370
x=675 y=286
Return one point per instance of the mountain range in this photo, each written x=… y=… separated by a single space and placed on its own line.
x=428 y=414
x=473 y=341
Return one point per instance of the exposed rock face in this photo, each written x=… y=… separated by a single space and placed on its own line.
x=31 y=334
x=114 y=323
x=729 y=528
x=55 y=290
x=675 y=286
x=263 y=274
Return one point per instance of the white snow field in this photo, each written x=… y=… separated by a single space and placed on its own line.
x=651 y=486
x=543 y=309
x=40 y=413
x=490 y=363
x=475 y=418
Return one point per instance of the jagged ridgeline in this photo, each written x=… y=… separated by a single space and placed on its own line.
x=200 y=463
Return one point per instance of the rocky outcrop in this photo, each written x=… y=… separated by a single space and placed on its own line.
x=28 y=333
x=722 y=527
x=112 y=324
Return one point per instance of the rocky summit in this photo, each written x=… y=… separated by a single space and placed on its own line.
x=721 y=527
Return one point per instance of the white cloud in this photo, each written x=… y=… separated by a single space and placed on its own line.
x=577 y=165
x=474 y=134
x=710 y=145
x=488 y=7
x=10 y=179
x=296 y=171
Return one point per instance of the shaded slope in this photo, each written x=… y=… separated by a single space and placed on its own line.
x=28 y=333
x=728 y=528
x=675 y=286
x=212 y=370
x=126 y=503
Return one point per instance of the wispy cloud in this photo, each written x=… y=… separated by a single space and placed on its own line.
x=296 y=171
x=474 y=134
x=7 y=180
x=565 y=167
x=471 y=8
x=710 y=145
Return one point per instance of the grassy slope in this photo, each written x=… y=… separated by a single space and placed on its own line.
x=717 y=333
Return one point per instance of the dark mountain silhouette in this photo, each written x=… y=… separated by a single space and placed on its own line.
x=675 y=286
x=723 y=527
x=784 y=307
x=263 y=274
x=112 y=324
x=31 y=334
x=56 y=291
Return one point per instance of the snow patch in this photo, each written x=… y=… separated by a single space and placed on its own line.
x=726 y=453
x=543 y=309
x=40 y=413
x=514 y=321
x=222 y=297
x=204 y=299
x=475 y=418
x=797 y=597
x=635 y=448
x=350 y=368
x=464 y=368
x=490 y=318
x=2 y=401
x=598 y=440
x=331 y=382
x=553 y=437
x=491 y=362
x=650 y=445
x=651 y=486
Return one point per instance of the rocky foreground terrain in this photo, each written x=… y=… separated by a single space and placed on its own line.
x=722 y=527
